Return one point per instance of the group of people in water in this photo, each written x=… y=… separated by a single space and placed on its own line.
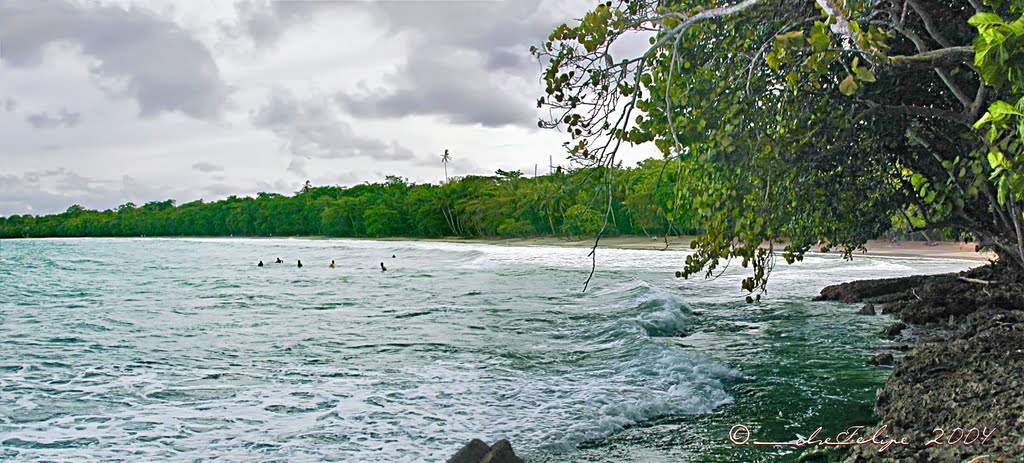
x=332 y=265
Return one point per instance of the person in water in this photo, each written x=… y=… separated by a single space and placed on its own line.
x=279 y=261
x=392 y=256
x=382 y=267
x=300 y=264
x=260 y=264
x=332 y=264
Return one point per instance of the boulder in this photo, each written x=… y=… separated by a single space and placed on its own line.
x=476 y=451
x=472 y=452
x=501 y=452
x=896 y=328
x=882 y=359
x=868 y=309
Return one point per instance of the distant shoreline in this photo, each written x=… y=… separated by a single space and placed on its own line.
x=878 y=248
x=915 y=249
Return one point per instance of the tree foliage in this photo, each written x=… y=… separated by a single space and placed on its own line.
x=504 y=205
x=806 y=121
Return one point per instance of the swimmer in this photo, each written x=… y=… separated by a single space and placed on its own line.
x=392 y=256
x=260 y=264
x=300 y=264
x=382 y=267
x=279 y=261
x=332 y=264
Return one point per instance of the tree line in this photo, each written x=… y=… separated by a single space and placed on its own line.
x=574 y=203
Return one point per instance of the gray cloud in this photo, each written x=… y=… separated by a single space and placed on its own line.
x=461 y=55
x=265 y=21
x=312 y=129
x=152 y=60
x=63 y=118
x=433 y=84
x=204 y=166
x=49 y=191
x=9 y=105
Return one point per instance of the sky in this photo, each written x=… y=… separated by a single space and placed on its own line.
x=104 y=102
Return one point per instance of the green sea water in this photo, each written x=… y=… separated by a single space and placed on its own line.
x=183 y=350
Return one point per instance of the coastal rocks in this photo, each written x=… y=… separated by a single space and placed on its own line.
x=963 y=377
x=895 y=329
x=857 y=291
x=883 y=359
x=868 y=309
x=476 y=451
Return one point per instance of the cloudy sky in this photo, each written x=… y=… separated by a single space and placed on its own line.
x=104 y=102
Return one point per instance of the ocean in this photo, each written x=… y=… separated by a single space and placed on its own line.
x=184 y=350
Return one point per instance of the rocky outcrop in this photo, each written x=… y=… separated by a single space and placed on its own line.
x=476 y=451
x=868 y=309
x=882 y=359
x=963 y=378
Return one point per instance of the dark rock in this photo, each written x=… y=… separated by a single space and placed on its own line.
x=473 y=452
x=476 y=451
x=501 y=452
x=896 y=328
x=882 y=359
x=857 y=291
x=964 y=370
x=868 y=309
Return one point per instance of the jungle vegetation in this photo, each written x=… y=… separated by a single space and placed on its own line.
x=566 y=203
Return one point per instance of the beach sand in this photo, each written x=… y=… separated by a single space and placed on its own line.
x=941 y=250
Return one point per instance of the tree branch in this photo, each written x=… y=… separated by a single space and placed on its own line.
x=942 y=57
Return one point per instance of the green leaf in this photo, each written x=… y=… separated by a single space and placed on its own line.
x=985 y=19
x=865 y=74
x=917 y=180
x=996 y=160
x=848 y=86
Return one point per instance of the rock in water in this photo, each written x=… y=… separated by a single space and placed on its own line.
x=476 y=451
x=882 y=359
x=472 y=452
x=896 y=328
x=868 y=309
x=501 y=452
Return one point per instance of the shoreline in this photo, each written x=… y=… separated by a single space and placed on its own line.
x=878 y=248
x=952 y=344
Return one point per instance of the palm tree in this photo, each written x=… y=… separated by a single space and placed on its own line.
x=444 y=160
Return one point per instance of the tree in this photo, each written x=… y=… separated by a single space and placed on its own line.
x=445 y=158
x=806 y=119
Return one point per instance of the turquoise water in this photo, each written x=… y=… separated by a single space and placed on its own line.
x=184 y=350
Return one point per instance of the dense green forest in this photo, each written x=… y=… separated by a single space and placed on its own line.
x=571 y=203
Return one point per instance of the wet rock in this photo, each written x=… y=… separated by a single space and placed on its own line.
x=501 y=452
x=868 y=309
x=858 y=291
x=884 y=358
x=965 y=371
x=472 y=452
x=895 y=329
x=476 y=451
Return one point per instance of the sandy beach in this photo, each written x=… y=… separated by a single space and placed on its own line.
x=940 y=250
